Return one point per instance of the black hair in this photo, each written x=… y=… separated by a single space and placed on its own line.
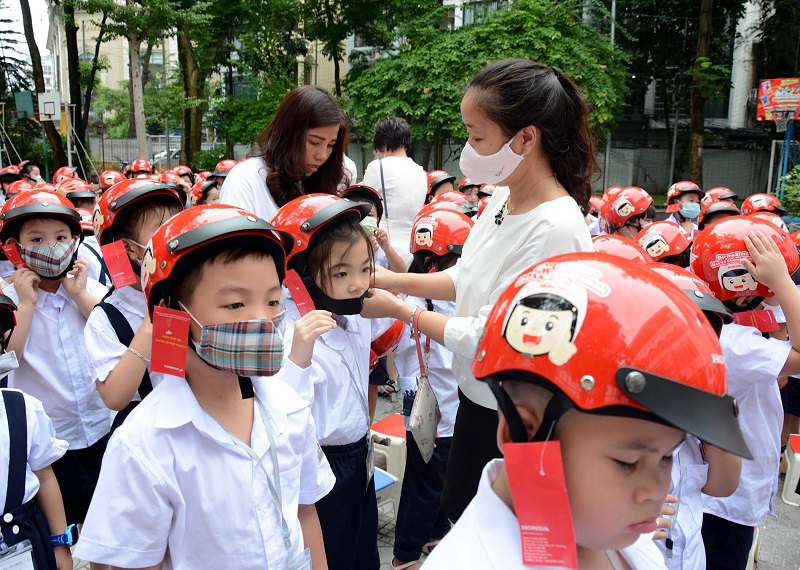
x=551 y=302
x=681 y=259
x=735 y=273
x=648 y=214
x=391 y=133
x=425 y=261
x=518 y=93
x=318 y=255
x=13 y=228
x=134 y=217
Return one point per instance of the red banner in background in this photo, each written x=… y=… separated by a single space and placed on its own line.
x=778 y=99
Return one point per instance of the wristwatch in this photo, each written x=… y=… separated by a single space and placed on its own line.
x=69 y=538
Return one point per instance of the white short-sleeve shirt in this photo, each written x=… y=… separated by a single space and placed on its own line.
x=246 y=187
x=753 y=364
x=43 y=446
x=175 y=488
x=54 y=367
x=95 y=267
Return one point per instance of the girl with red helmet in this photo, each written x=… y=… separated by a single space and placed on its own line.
x=743 y=260
x=8 y=175
x=385 y=254
x=665 y=243
x=333 y=256
x=226 y=447
x=438 y=238
x=301 y=152
x=471 y=190
x=599 y=396
x=683 y=204
x=440 y=181
x=627 y=211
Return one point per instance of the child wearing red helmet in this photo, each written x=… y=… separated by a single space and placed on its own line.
x=743 y=260
x=592 y=392
x=666 y=243
x=54 y=297
x=683 y=204
x=627 y=211
x=439 y=181
x=220 y=469
x=385 y=254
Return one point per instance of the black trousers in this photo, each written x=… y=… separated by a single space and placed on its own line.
x=30 y=524
x=420 y=516
x=474 y=445
x=348 y=514
x=77 y=473
x=727 y=543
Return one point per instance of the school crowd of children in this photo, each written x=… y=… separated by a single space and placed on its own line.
x=189 y=383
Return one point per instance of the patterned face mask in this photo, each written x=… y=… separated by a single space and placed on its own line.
x=50 y=260
x=246 y=348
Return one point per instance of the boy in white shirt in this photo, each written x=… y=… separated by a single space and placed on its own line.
x=572 y=366
x=744 y=260
x=222 y=469
x=54 y=297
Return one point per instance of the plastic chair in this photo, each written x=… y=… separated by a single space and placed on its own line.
x=392 y=429
x=753 y=556
x=792 y=454
x=387 y=489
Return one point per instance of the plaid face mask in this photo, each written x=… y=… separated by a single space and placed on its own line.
x=246 y=348
x=50 y=260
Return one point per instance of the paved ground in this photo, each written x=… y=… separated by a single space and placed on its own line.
x=779 y=543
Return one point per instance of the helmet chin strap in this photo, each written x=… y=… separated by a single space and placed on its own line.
x=734 y=308
x=555 y=409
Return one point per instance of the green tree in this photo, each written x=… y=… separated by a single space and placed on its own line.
x=15 y=70
x=424 y=83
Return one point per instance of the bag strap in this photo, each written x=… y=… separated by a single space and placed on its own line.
x=105 y=276
x=14 y=403
x=125 y=335
x=423 y=356
x=383 y=190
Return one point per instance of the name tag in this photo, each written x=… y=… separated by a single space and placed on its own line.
x=17 y=557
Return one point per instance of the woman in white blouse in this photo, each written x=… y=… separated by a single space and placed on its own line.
x=528 y=131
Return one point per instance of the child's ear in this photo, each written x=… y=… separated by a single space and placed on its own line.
x=10 y=241
x=531 y=419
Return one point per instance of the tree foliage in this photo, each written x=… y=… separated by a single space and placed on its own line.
x=14 y=70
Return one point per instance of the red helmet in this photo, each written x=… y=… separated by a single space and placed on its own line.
x=204 y=175
x=465 y=183
x=454 y=201
x=556 y=325
x=772 y=219
x=196 y=193
x=121 y=199
x=359 y=192
x=10 y=173
x=622 y=205
x=796 y=238
x=183 y=241
x=762 y=203
x=679 y=189
x=389 y=340
x=305 y=216
x=662 y=239
x=110 y=177
x=710 y=211
x=41 y=202
x=439 y=232
x=482 y=203
x=140 y=165
x=486 y=190
x=718 y=251
x=19 y=186
x=611 y=190
x=80 y=189
x=8 y=314
x=716 y=194
x=595 y=204
x=87 y=221
x=62 y=174
x=436 y=177
x=169 y=176
x=183 y=170
x=619 y=246
x=223 y=167
x=373 y=361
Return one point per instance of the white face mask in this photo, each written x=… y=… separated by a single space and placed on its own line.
x=370 y=224
x=489 y=169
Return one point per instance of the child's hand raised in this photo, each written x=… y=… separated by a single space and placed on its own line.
x=79 y=274
x=26 y=284
x=306 y=331
x=382 y=237
x=768 y=266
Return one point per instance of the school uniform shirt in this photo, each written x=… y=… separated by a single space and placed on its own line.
x=6 y=268
x=175 y=488
x=103 y=347
x=440 y=364
x=753 y=363
x=44 y=448
x=689 y=476
x=90 y=251
x=336 y=382
x=593 y=223
x=487 y=536
x=246 y=187
x=674 y=219
x=493 y=256
x=54 y=367
x=403 y=192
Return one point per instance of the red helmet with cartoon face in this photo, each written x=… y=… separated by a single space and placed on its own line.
x=437 y=177
x=568 y=324
x=774 y=219
x=762 y=203
x=611 y=190
x=358 y=192
x=482 y=203
x=110 y=177
x=439 y=232
x=224 y=167
x=698 y=291
x=683 y=187
x=140 y=166
x=63 y=173
x=718 y=251
x=388 y=340
x=305 y=217
x=41 y=202
x=718 y=193
x=662 y=239
x=622 y=205
x=184 y=240
x=621 y=247
x=115 y=204
x=87 y=221
x=712 y=211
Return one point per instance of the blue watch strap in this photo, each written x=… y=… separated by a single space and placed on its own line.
x=69 y=538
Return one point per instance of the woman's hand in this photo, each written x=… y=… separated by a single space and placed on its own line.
x=384 y=278
x=384 y=304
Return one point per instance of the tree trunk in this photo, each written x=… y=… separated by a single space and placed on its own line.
x=135 y=64
x=131 y=114
x=87 y=96
x=337 y=81
x=191 y=133
x=148 y=53
x=698 y=97
x=59 y=158
x=74 y=76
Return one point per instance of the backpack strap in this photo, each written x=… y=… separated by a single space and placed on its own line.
x=125 y=335
x=105 y=276
x=14 y=403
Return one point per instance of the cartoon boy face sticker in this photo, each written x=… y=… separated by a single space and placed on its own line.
x=545 y=323
x=657 y=247
x=737 y=279
x=759 y=202
x=625 y=209
x=148 y=266
x=423 y=237
x=97 y=221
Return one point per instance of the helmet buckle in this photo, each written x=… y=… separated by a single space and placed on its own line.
x=635 y=382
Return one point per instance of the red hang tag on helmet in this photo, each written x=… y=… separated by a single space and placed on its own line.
x=299 y=293
x=118 y=264
x=12 y=253
x=762 y=319
x=539 y=491
x=170 y=342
